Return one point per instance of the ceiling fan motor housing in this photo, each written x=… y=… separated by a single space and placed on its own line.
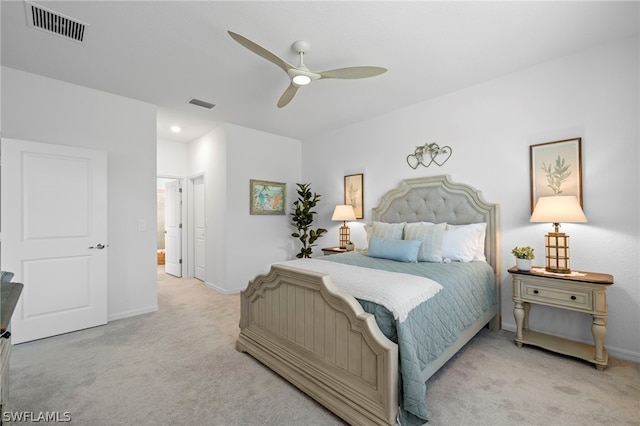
x=301 y=46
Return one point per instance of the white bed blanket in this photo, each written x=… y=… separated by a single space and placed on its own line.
x=397 y=292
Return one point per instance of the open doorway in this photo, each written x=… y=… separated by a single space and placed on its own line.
x=181 y=233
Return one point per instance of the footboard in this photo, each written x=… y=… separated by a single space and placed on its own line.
x=319 y=338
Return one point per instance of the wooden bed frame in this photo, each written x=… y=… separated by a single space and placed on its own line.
x=320 y=339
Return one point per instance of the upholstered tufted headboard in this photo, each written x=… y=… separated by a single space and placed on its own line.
x=436 y=199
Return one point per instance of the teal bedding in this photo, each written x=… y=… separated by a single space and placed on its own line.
x=468 y=291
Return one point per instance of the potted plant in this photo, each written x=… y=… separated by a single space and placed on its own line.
x=524 y=257
x=302 y=218
x=350 y=246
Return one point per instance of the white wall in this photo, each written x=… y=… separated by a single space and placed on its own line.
x=50 y=111
x=593 y=95
x=255 y=241
x=240 y=245
x=207 y=155
x=172 y=159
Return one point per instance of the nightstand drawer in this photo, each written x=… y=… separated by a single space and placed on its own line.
x=580 y=299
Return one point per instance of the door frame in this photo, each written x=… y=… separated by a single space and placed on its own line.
x=185 y=220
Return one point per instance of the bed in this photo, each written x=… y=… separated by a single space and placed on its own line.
x=322 y=340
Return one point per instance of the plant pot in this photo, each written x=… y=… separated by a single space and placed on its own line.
x=523 y=264
x=350 y=247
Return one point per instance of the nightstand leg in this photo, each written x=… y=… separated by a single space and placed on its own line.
x=518 y=314
x=599 y=331
x=527 y=309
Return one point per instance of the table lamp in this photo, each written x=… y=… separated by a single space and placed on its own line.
x=344 y=213
x=556 y=209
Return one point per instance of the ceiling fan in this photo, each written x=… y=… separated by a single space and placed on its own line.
x=300 y=75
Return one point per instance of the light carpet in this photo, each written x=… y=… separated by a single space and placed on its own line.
x=178 y=366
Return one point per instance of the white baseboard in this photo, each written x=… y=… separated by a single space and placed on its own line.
x=219 y=289
x=132 y=313
x=613 y=351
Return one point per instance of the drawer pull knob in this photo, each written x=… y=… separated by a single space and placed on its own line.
x=535 y=291
x=573 y=298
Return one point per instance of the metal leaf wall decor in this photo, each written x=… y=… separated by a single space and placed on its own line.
x=429 y=153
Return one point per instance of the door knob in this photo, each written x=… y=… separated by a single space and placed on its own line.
x=98 y=247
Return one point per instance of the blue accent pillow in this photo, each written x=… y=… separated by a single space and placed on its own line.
x=400 y=250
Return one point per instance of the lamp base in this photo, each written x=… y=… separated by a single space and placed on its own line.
x=345 y=236
x=557 y=253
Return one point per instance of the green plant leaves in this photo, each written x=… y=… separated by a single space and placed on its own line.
x=556 y=174
x=523 y=252
x=302 y=218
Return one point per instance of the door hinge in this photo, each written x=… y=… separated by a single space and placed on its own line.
x=180 y=261
x=180 y=226
x=180 y=190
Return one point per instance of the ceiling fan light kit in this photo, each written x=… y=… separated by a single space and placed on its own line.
x=301 y=75
x=301 y=79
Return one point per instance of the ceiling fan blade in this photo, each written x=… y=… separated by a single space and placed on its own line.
x=353 y=72
x=287 y=95
x=261 y=51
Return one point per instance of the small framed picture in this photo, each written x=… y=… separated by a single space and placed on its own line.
x=556 y=169
x=353 y=193
x=267 y=197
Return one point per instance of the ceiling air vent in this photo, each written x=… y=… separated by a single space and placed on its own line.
x=200 y=103
x=54 y=22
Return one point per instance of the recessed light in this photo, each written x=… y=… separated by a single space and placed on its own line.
x=175 y=129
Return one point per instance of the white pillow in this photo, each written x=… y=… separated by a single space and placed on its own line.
x=391 y=231
x=431 y=236
x=464 y=243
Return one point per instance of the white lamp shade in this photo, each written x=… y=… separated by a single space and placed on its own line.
x=558 y=209
x=344 y=212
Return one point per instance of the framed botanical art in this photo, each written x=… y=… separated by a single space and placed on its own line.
x=556 y=169
x=353 y=193
x=267 y=197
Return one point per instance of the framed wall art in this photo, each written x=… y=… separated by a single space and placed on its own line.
x=267 y=197
x=556 y=169
x=353 y=193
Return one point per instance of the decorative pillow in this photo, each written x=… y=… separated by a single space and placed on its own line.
x=400 y=250
x=480 y=255
x=392 y=231
x=482 y=231
x=464 y=243
x=431 y=236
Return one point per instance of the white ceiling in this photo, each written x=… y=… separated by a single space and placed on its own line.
x=166 y=52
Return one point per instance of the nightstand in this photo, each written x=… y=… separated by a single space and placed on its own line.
x=581 y=292
x=333 y=250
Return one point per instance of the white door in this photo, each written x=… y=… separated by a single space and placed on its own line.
x=54 y=236
x=199 y=228
x=173 y=228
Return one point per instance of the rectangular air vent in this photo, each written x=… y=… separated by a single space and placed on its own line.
x=54 y=22
x=200 y=103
